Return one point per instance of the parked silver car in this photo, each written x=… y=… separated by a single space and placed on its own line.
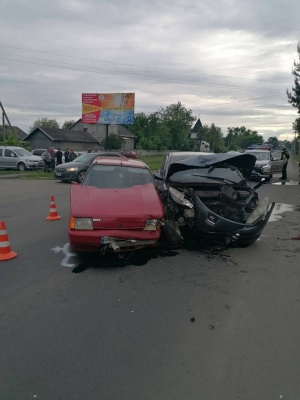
x=12 y=157
x=266 y=164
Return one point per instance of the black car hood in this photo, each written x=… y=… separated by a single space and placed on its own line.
x=243 y=162
x=207 y=175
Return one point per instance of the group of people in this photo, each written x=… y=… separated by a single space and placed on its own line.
x=52 y=158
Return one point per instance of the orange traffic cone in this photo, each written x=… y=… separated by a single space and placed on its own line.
x=5 y=250
x=53 y=213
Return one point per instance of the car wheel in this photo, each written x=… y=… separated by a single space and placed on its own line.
x=80 y=176
x=21 y=167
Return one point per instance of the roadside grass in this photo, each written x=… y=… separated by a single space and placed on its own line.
x=27 y=174
x=153 y=161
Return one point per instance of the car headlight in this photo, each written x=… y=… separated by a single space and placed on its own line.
x=179 y=198
x=85 y=224
x=152 y=224
x=72 y=169
x=266 y=167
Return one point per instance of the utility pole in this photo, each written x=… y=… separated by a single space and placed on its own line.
x=4 y=116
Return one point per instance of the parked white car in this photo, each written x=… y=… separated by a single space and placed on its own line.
x=12 y=157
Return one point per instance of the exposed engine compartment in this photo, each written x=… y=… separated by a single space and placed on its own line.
x=233 y=203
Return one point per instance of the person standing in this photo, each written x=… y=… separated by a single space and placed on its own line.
x=285 y=157
x=59 y=156
x=46 y=156
x=72 y=155
x=67 y=155
x=52 y=152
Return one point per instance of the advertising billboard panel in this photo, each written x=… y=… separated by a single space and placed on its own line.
x=108 y=108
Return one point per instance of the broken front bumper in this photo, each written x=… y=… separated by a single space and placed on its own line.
x=111 y=240
x=213 y=225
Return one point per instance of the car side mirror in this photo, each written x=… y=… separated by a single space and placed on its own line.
x=157 y=176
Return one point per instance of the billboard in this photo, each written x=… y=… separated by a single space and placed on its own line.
x=108 y=108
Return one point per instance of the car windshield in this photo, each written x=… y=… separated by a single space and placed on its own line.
x=85 y=158
x=260 y=156
x=117 y=177
x=22 y=152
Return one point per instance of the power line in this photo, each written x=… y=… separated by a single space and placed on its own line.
x=84 y=68
x=136 y=66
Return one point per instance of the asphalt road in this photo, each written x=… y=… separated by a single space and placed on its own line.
x=99 y=328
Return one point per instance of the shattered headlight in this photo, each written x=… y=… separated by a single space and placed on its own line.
x=152 y=224
x=179 y=198
x=85 y=224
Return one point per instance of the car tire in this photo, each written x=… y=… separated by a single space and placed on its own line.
x=21 y=166
x=80 y=176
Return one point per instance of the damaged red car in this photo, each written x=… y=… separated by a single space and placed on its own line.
x=116 y=208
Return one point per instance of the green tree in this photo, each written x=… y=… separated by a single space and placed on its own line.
x=150 y=132
x=213 y=135
x=294 y=94
x=44 y=123
x=138 y=128
x=68 y=123
x=241 y=138
x=179 y=120
x=12 y=139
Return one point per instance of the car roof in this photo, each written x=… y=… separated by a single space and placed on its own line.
x=119 y=161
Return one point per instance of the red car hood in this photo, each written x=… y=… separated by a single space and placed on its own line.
x=135 y=204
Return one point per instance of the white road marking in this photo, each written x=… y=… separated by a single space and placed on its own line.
x=70 y=260
x=279 y=209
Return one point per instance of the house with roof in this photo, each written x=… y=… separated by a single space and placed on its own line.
x=15 y=130
x=196 y=129
x=42 y=138
x=99 y=132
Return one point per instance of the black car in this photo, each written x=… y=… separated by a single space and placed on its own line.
x=207 y=198
x=76 y=170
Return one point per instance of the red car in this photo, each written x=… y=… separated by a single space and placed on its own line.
x=115 y=208
x=129 y=154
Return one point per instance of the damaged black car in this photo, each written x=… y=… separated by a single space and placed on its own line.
x=207 y=198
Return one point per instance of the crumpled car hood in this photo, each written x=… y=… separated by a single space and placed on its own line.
x=136 y=203
x=244 y=162
x=201 y=176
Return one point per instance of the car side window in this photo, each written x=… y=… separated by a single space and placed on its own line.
x=9 y=153
x=1 y=152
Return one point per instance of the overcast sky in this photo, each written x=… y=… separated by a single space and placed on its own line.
x=230 y=61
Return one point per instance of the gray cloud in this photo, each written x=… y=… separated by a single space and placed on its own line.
x=230 y=61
